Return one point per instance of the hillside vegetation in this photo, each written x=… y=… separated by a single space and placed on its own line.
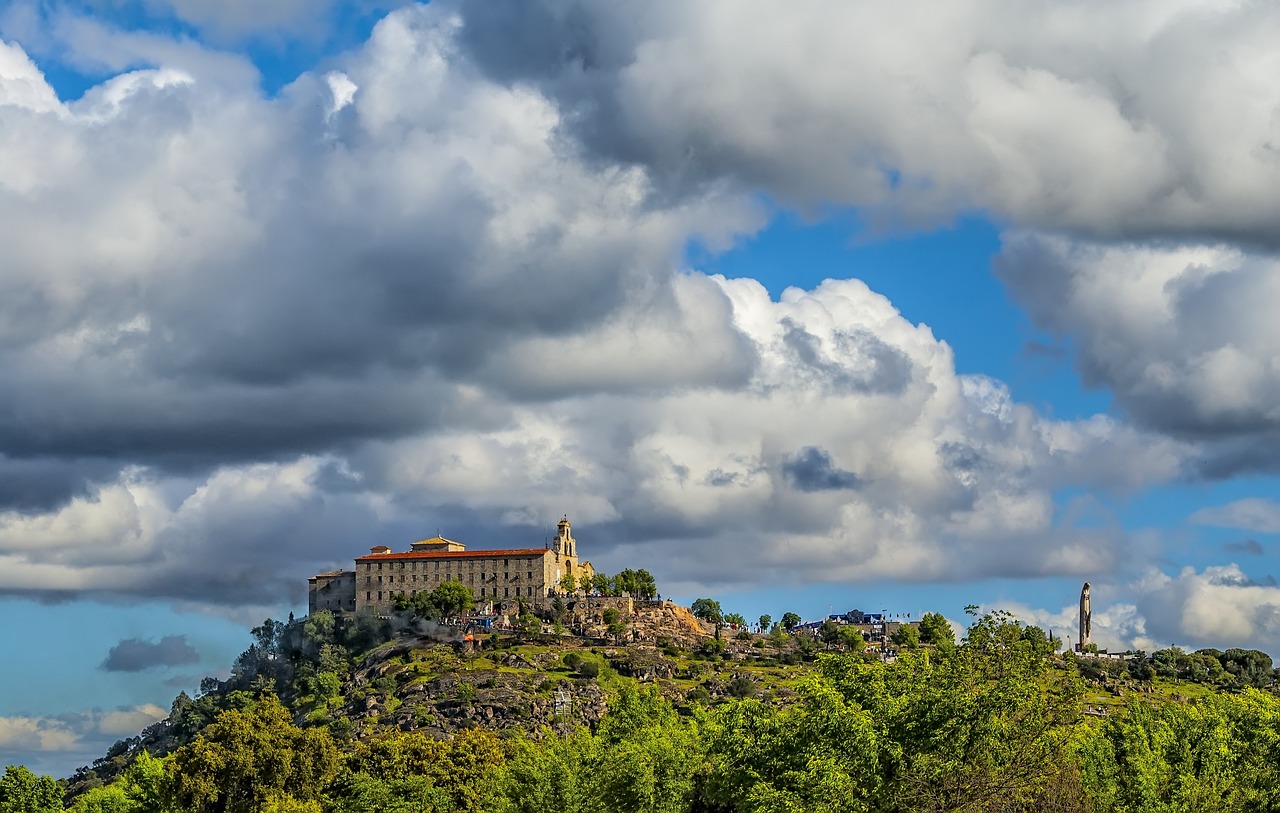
x=362 y=714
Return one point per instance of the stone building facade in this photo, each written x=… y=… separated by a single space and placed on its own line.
x=334 y=591
x=530 y=574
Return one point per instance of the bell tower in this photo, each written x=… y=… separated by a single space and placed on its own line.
x=565 y=544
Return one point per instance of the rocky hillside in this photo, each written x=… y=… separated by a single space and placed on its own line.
x=358 y=676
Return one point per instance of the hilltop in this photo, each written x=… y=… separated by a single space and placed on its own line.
x=354 y=691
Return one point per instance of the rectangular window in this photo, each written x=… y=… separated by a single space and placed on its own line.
x=368 y=595
x=506 y=563
x=379 y=595
x=506 y=591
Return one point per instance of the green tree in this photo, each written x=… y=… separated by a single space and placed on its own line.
x=550 y=775
x=983 y=726
x=602 y=583
x=106 y=799
x=1220 y=753
x=708 y=609
x=319 y=627
x=332 y=658
x=642 y=760
x=362 y=793
x=645 y=585
x=614 y=625
x=569 y=582
x=763 y=623
x=528 y=622
x=790 y=621
x=645 y=756
x=851 y=638
x=453 y=598
x=141 y=788
x=464 y=768
x=816 y=755
x=1249 y=666
x=637 y=583
x=735 y=619
x=247 y=759
x=829 y=632
x=146 y=781
x=21 y=791
x=906 y=636
x=936 y=630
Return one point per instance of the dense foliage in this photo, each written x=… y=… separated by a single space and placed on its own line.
x=994 y=723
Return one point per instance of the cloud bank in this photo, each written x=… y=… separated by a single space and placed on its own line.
x=443 y=280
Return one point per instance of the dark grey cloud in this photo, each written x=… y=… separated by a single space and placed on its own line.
x=1180 y=333
x=1246 y=546
x=812 y=469
x=135 y=655
x=720 y=478
x=38 y=484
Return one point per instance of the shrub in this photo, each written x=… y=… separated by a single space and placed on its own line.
x=588 y=669
x=698 y=694
x=341 y=728
x=740 y=686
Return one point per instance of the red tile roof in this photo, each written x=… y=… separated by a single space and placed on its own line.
x=455 y=554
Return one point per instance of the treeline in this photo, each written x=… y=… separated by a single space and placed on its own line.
x=1232 y=669
x=989 y=725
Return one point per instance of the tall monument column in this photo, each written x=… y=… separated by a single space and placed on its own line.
x=1086 y=618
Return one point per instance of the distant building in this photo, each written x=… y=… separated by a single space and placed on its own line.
x=334 y=591
x=531 y=574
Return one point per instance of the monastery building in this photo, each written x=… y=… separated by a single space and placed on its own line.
x=494 y=576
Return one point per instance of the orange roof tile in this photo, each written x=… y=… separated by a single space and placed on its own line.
x=455 y=554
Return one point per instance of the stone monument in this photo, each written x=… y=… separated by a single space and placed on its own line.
x=1086 y=619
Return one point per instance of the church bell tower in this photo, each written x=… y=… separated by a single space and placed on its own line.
x=565 y=545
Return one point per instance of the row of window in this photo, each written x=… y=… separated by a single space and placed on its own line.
x=471 y=577
x=368 y=566
x=506 y=592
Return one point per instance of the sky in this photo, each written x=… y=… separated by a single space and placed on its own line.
x=804 y=306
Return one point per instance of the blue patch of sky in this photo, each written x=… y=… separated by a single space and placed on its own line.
x=1169 y=508
x=66 y=643
x=280 y=56
x=941 y=278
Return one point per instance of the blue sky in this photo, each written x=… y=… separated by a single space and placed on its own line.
x=899 y=310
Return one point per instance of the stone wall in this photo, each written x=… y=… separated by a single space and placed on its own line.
x=335 y=592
